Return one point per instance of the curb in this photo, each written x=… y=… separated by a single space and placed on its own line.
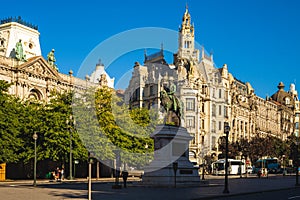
x=243 y=193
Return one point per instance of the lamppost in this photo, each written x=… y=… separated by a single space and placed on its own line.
x=75 y=163
x=226 y=131
x=91 y=159
x=69 y=124
x=35 y=136
x=146 y=148
x=283 y=164
x=297 y=161
x=241 y=158
x=117 y=170
x=175 y=167
x=203 y=163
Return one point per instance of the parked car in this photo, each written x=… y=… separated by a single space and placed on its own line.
x=135 y=173
x=249 y=170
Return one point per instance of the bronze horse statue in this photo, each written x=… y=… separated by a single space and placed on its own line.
x=172 y=105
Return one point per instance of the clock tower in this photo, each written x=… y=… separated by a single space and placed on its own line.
x=186 y=46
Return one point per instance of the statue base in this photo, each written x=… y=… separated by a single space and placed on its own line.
x=171 y=145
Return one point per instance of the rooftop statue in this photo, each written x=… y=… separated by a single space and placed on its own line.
x=172 y=105
x=51 y=59
x=19 y=51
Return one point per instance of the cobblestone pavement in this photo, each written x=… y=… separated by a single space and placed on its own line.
x=102 y=189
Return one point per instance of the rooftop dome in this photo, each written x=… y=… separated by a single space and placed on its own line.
x=282 y=96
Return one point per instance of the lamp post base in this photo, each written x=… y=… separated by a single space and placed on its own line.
x=226 y=191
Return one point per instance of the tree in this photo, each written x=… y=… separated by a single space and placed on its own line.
x=10 y=138
x=108 y=124
x=57 y=133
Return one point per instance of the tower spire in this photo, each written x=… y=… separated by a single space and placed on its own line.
x=187 y=38
x=186 y=7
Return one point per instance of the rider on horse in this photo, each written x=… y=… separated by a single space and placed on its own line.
x=172 y=96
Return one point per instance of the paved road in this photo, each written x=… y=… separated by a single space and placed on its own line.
x=103 y=190
x=288 y=194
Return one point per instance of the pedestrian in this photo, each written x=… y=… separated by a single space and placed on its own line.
x=62 y=173
x=259 y=173
x=57 y=174
x=125 y=176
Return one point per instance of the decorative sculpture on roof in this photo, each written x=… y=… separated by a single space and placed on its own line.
x=51 y=59
x=172 y=105
x=19 y=51
x=103 y=80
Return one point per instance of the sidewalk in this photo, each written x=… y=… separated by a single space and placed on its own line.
x=29 y=182
x=102 y=189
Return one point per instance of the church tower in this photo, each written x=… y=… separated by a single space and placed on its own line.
x=13 y=30
x=186 y=43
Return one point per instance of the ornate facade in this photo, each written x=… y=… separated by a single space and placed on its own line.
x=32 y=76
x=211 y=96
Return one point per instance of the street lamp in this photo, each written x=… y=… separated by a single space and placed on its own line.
x=226 y=131
x=203 y=164
x=297 y=161
x=146 y=147
x=241 y=158
x=69 y=124
x=35 y=136
x=175 y=167
x=91 y=158
x=117 y=170
x=283 y=163
x=75 y=163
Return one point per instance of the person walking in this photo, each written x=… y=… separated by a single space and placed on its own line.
x=62 y=173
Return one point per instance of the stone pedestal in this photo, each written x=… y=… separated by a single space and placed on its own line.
x=171 y=144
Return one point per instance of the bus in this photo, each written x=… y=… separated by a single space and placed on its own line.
x=234 y=166
x=271 y=164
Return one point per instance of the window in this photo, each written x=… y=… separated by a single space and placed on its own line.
x=220 y=93
x=213 y=126
x=220 y=109
x=242 y=129
x=226 y=96
x=213 y=110
x=202 y=124
x=204 y=88
x=220 y=125
x=187 y=44
x=190 y=104
x=287 y=101
x=190 y=122
x=225 y=111
x=213 y=140
x=214 y=92
x=151 y=90
x=194 y=138
x=203 y=108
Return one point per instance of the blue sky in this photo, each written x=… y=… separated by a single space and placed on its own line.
x=257 y=39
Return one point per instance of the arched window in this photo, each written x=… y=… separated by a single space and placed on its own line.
x=287 y=101
x=35 y=94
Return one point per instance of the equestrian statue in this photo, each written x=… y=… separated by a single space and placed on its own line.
x=172 y=105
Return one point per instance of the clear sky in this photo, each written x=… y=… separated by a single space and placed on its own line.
x=257 y=39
